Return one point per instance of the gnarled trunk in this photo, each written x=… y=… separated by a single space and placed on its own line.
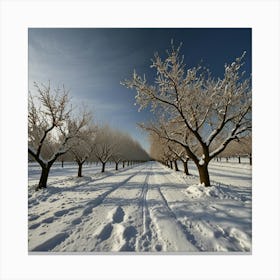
x=117 y=166
x=204 y=174
x=43 y=178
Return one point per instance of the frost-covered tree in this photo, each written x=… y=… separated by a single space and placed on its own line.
x=52 y=127
x=246 y=147
x=114 y=145
x=127 y=149
x=83 y=146
x=104 y=145
x=205 y=108
x=164 y=150
x=239 y=148
x=180 y=153
x=158 y=149
x=134 y=152
x=122 y=142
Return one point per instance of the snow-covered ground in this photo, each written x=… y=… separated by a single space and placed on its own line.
x=144 y=208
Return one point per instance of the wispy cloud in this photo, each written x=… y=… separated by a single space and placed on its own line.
x=92 y=62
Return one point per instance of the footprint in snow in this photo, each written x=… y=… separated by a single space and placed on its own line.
x=118 y=215
x=48 y=220
x=76 y=221
x=158 y=247
x=106 y=232
x=129 y=236
x=61 y=213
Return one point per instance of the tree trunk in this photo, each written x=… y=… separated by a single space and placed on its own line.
x=62 y=163
x=44 y=178
x=80 y=169
x=204 y=174
x=176 y=165
x=239 y=159
x=103 y=166
x=123 y=164
x=250 y=159
x=186 y=169
x=171 y=164
x=117 y=166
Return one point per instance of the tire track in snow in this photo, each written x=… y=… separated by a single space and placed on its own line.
x=195 y=229
x=173 y=233
x=134 y=237
x=189 y=236
x=129 y=232
x=98 y=200
x=145 y=235
x=148 y=233
x=143 y=202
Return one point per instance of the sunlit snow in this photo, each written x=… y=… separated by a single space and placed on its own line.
x=144 y=208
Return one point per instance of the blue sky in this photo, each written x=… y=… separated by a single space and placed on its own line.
x=91 y=62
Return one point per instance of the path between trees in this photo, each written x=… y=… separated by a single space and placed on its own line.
x=147 y=208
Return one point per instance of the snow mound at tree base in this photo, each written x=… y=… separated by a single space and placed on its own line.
x=214 y=191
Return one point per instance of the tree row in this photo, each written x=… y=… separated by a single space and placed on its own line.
x=58 y=131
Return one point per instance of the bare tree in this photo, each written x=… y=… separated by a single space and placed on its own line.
x=83 y=146
x=239 y=148
x=246 y=147
x=134 y=152
x=51 y=127
x=180 y=153
x=121 y=143
x=114 y=145
x=104 y=145
x=164 y=150
x=158 y=149
x=205 y=108
x=127 y=149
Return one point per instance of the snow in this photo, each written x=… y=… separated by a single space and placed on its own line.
x=229 y=173
x=201 y=162
x=144 y=208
